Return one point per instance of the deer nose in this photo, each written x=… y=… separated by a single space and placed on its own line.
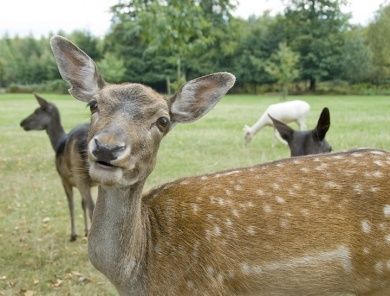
x=106 y=153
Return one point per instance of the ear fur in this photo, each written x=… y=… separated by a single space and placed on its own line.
x=284 y=130
x=198 y=96
x=323 y=124
x=77 y=68
x=41 y=101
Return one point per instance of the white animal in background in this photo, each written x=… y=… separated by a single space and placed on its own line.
x=285 y=112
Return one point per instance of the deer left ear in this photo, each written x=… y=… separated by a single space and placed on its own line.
x=198 y=96
x=284 y=130
x=323 y=124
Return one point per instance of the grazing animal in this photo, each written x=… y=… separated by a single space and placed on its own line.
x=315 y=225
x=71 y=156
x=286 y=112
x=306 y=142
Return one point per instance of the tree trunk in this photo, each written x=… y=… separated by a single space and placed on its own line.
x=313 y=84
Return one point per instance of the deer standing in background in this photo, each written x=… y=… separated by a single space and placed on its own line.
x=291 y=111
x=315 y=225
x=306 y=142
x=71 y=156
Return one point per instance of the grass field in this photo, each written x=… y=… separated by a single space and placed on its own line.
x=36 y=257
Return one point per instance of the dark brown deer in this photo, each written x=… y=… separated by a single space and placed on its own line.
x=71 y=156
x=306 y=142
x=315 y=225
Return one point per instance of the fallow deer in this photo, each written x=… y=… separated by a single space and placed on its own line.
x=315 y=225
x=306 y=142
x=70 y=156
x=290 y=111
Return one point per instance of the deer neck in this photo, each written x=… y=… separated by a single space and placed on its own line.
x=56 y=134
x=117 y=243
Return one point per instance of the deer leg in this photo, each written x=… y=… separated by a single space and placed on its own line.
x=277 y=136
x=69 y=196
x=301 y=124
x=88 y=205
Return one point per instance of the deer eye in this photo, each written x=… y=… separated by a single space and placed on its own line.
x=93 y=106
x=162 y=123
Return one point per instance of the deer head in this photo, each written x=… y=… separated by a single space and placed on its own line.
x=306 y=142
x=129 y=120
x=42 y=117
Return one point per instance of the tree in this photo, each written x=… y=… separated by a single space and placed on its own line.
x=379 y=43
x=315 y=30
x=112 y=68
x=178 y=27
x=356 y=62
x=282 y=65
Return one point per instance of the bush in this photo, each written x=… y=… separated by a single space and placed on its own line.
x=54 y=86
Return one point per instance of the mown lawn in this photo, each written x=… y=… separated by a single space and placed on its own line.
x=36 y=257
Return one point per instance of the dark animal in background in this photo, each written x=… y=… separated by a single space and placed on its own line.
x=71 y=156
x=306 y=142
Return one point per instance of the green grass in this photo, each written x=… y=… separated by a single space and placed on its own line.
x=34 y=221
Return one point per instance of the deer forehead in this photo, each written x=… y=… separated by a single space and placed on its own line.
x=133 y=99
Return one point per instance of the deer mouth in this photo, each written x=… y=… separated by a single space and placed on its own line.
x=105 y=165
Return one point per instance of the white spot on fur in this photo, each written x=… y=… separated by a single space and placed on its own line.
x=297 y=187
x=366 y=227
x=304 y=170
x=260 y=192
x=305 y=212
x=280 y=199
x=195 y=208
x=388 y=264
x=321 y=167
x=283 y=223
x=245 y=268
x=275 y=186
x=267 y=208
x=387 y=238
x=251 y=230
x=237 y=187
x=204 y=178
x=190 y=285
x=210 y=270
x=386 y=210
x=235 y=213
x=228 y=222
x=379 y=267
x=366 y=251
x=185 y=182
x=228 y=192
x=332 y=185
x=340 y=255
x=374 y=189
x=358 y=188
x=217 y=230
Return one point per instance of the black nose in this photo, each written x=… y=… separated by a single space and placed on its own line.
x=106 y=153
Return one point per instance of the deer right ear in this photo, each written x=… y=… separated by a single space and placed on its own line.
x=284 y=130
x=323 y=124
x=77 y=68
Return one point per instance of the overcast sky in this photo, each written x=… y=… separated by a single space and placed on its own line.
x=40 y=17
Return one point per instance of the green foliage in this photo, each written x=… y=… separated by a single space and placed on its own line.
x=315 y=30
x=379 y=43
x=356 y=63
x=156 y=41
x=112 y=68
x=282 y=65
x=180 y=28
